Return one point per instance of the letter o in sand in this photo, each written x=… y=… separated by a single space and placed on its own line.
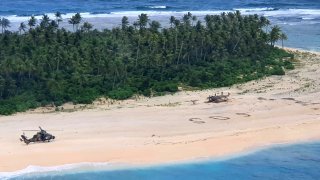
x=222 y=118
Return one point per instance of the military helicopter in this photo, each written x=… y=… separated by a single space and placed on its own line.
x=218 y=98
x=40 y=136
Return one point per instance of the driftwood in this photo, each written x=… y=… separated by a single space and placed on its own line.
x=218 y=98
x=194 y=101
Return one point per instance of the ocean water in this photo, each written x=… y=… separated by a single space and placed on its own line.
x=34 y=7
x=294 y=162
x=300 y=19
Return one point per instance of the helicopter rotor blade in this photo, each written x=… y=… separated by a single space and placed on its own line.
x=39 y=130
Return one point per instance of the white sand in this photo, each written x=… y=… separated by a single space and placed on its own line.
x=156 y=130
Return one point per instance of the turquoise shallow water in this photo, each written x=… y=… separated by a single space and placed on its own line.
x=294 y=162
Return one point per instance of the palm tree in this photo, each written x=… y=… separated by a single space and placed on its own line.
x=186 y=19
x=87 y=26
x=189 y=15
x=22 y=27
x=194 y=19
x=72 y=21
x=143 y=20
x=172 y=19
x=58 y=17
x=2 y=86
x=5 y=23
x=32 y=22
x=124 y=22
x=75 y=21
x=208 y=19
x=199 y=26
x=54 y=24
x=154 y=26
x=264 y=22
x=283 y=37
x=78 y=19
x=177 y=23
x=275 y=34
x=45 y=21
x=135 y=25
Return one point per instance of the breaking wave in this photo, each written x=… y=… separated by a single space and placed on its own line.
x=52 y=170
x=152 y=7
x=305 y=14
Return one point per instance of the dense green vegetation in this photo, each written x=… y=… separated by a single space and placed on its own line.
x=43 y=64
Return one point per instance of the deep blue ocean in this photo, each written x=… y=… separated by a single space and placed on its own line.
x=294 y=162
x=300 y=19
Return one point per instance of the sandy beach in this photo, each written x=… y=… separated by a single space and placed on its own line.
x=276 y=109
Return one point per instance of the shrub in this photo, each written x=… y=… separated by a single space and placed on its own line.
x=85 y=96
x=121 y=93
x=277 y=70
x=288 y=65
x=165 y=87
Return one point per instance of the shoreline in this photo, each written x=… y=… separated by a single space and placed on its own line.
x=261 y=113
x=83 y=167
x=292 y=49
x=116 y=165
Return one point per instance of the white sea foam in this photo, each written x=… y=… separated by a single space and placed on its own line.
x=293 y=12
x=157 y=7
x=255 y=9
x=67 y=168
x=113 y=19
x=270 y=12
x=308 y=18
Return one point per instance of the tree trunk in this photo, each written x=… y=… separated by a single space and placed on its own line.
x=236 y=45
x=201 y=49
x=180 y=53
x=176 y=39
x=138 y=51
x=196 y=54
x=58 y=63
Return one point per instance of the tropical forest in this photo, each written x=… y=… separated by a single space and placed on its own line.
x=42 y=63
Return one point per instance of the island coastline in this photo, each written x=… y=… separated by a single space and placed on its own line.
x=276 y=109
